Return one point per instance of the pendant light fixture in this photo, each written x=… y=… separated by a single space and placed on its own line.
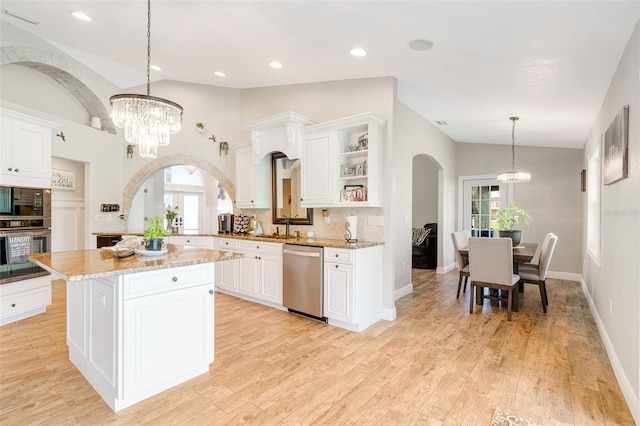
x=513 y=176
x=147 y=121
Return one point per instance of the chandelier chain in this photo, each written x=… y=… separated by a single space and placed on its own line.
x=148 y=47
x=513 y=144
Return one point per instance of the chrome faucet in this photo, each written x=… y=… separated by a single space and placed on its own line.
x=287 y=223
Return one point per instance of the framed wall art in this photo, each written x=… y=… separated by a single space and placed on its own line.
x=616 y=148
x=63 y=179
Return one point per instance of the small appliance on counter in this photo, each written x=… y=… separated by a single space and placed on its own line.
x=225 y=223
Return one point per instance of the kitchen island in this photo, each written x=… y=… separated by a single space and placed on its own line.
x=138 y=325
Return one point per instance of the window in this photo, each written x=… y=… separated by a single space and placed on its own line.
x=593 y=205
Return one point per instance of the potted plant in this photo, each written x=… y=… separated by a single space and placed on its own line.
x=509 y=216
x=154 y=233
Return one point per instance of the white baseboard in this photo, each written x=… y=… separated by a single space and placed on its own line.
x=569 y=276
x=401 y=292
x=389 y=314
x=450 y=267
x=633 y=400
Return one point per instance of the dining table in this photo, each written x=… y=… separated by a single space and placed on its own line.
x=522 y=253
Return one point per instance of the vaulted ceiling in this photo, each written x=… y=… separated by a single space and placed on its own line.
x=548 y=62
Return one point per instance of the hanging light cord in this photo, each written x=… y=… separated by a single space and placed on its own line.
x=513 y=143
x=148 y=47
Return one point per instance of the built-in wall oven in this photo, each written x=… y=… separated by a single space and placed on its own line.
x=25 y=227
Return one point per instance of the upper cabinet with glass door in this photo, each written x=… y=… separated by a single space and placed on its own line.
x=341 y=162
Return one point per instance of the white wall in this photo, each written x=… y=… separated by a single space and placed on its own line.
x=67 y=209
x=616 y=281
x=425 y=191
x=552 y=197
x=413 y=135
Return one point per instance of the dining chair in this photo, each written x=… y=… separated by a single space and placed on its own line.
x=466 y=233
x=538 y=275
x=542 y=249
x=459 y=243
x=491 y=266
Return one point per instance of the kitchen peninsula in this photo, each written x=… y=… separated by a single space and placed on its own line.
x=141 y=324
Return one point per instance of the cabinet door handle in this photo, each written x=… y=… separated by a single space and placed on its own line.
x=10 y=169
x=17 y=170
x=337 y=255
x=13 y=305
x=337 y=266
x=174 y=279
x=210 y=291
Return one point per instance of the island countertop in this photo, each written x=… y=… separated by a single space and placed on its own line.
x=80 y=265
x=284 y=239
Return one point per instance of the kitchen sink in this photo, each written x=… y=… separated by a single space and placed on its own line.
x=277 y=236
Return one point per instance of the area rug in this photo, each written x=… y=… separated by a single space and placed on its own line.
x=500 y=418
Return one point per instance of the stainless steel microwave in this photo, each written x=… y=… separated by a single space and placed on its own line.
x=25 y=207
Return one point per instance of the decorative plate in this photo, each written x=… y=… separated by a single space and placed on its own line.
x=144 y=252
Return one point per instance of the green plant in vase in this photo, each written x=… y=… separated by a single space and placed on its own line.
x=154 y=233
x=509 y=216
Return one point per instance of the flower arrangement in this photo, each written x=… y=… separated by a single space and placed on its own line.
x=170 y=213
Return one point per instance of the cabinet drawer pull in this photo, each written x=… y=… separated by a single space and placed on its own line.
x=17 y=170
x=210 y=291
x=337 y=255
x=10 y=169
x=174 y=279
x=13 y=305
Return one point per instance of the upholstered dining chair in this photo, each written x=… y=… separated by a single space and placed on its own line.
x=460 y=243
x=538 y=275
x=491 y=266
x=542 y=249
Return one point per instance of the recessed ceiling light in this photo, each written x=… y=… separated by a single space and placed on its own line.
x=219 y=73
x=81 y=16
x=155 y=68
x=276 y=65
x=420 y=44
x=359 y=52
x=21 y=16
x=441 y=122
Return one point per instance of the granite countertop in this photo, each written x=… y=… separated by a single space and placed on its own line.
x=84 y=264
x=302 y=241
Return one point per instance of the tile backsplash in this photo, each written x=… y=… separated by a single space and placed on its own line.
x=335 y=229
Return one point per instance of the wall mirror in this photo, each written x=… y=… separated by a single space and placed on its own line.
x=286 y=191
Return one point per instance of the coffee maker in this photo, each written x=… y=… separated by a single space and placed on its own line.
x=225 y=223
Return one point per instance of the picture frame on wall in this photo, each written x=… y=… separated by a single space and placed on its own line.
x=616 y=149
x=63 y=179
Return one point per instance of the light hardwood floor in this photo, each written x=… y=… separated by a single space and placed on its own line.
x=436 y=364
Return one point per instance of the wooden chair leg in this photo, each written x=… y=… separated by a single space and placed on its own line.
x=543 y=296
x=471 y=298
x=546 y=299
x=464 y=289
x=516 y=303
x=510 y=302
x=459 y=285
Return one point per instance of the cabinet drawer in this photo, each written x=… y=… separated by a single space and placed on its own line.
x=145 y=283
x=203 y=242
x=24 y=301
x=273 y=248
x=226 y=243
x=338 y=255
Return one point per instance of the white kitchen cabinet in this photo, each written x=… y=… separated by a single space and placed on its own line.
x=253 y=181
x=23 y=299
x=257 y=276
x=353 y=287
x=318 y=161
x=226 y=273
x=135 y=335
x=341 y=162
x=167 y=332
x=338 y=291
x=25 y=150
x=191 y=241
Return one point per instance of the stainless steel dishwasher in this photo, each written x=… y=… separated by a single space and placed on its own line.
x=302 y=279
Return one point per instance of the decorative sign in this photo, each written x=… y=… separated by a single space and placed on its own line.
x=18 y=246
x=63 y=179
